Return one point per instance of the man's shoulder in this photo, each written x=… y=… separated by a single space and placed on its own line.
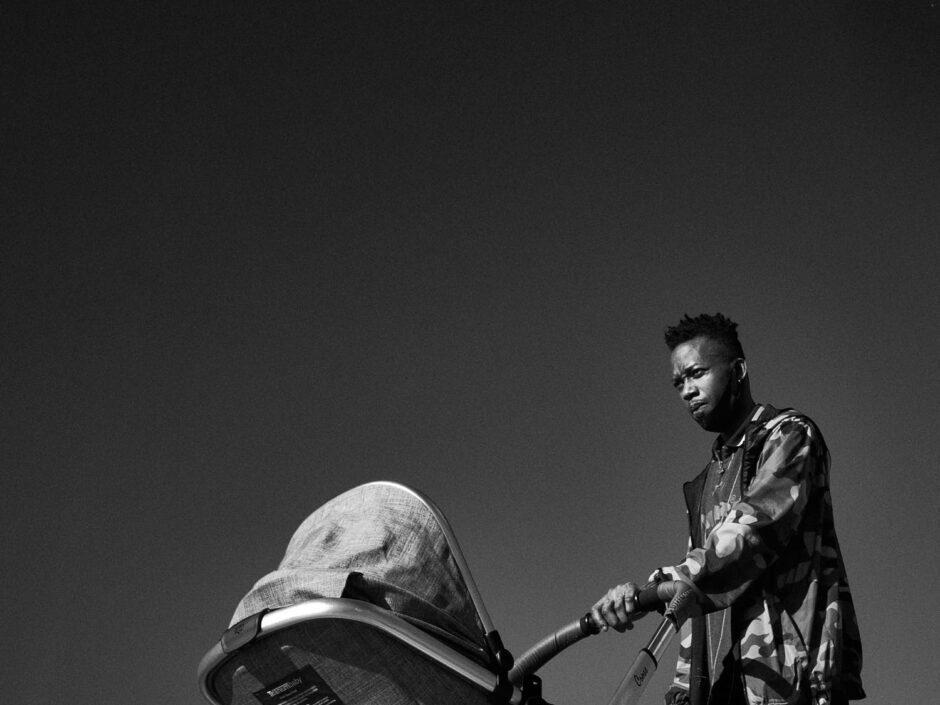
x=772 y=418
x=775 y=425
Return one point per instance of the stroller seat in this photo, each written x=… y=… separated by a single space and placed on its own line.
x=372 y=604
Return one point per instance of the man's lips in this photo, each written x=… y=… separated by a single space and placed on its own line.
x=695 y=406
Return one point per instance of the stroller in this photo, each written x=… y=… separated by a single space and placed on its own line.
x=373 y=604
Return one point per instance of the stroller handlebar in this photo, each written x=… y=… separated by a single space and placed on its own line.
x=653 y=597
x=656 y=596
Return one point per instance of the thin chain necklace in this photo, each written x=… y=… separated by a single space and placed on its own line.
x=721 y=470
x=722 y=467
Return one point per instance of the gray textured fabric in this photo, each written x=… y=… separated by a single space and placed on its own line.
x=380 y=543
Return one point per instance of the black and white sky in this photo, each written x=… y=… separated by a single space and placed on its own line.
x=255 y=254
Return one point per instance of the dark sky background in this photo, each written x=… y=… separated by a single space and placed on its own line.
x=255 y=254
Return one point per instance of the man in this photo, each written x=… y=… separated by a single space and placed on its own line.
x=773 y=620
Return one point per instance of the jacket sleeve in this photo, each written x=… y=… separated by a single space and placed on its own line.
x=757 y=529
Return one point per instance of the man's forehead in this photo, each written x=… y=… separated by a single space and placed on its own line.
x=696 y=351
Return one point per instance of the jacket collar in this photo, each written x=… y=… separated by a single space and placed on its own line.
x=722 y=448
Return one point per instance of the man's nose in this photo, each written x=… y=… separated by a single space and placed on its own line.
x=688 y=390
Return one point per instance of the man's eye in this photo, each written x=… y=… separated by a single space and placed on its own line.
x=697 y=373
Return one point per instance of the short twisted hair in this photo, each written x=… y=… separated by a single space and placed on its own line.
x=718 y=327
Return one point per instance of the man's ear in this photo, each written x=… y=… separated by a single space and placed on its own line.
x=740 y=369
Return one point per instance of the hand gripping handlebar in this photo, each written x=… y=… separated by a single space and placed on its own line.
x=667 y=596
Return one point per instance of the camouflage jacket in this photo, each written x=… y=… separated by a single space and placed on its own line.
x=773 y=564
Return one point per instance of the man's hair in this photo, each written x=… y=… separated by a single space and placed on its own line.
x=718 y=328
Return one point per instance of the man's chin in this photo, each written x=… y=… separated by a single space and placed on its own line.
x=708 y=422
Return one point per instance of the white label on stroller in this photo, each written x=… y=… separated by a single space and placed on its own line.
x=303 y=687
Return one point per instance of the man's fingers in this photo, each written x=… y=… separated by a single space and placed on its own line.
x=598 y=613
x=622 y=608
x=616 y=608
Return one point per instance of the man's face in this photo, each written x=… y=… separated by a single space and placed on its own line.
x=704 y=375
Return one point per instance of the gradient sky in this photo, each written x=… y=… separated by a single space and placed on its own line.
x=255 y=254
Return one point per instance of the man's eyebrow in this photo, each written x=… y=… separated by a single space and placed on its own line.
x=686 y=371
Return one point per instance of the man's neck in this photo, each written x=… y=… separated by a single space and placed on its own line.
x=738 y=424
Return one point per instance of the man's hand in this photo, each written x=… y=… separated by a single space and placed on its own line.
x=617 y=608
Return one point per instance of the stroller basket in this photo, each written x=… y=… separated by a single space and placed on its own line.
x=372 y=604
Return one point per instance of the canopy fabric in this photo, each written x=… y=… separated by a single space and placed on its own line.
x=382 y=543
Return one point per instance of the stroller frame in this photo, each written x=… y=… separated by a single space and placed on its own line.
x=388 y=637
x=255 y=627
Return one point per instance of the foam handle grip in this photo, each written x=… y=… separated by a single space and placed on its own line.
x=655 y=596
x=550 y=646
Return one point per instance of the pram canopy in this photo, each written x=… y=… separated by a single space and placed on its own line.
x=386 y=544
x=406 y=623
